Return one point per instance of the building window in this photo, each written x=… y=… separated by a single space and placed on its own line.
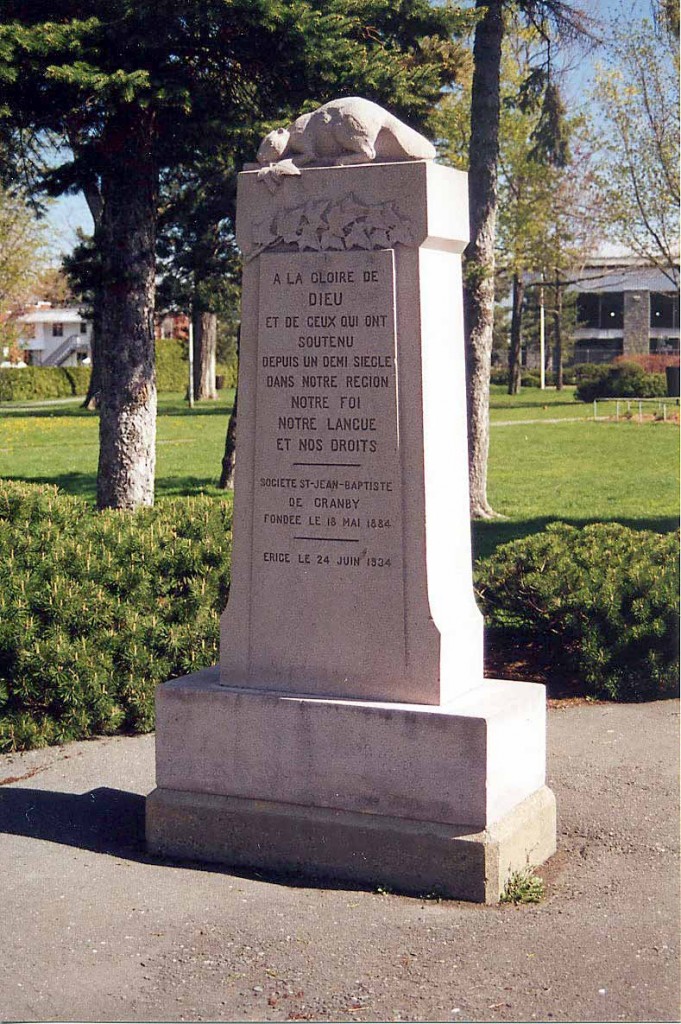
x=602 y=310
x=664 y=309
x=598 y=350
x=612 y=310
x=83 y=327
x=664 y=346
x=57 y=330
x=588 y=309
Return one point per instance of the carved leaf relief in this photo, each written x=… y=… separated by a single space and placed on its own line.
x=346 y=224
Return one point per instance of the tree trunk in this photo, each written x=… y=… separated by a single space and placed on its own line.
x=93 y=197
x=229 y=458
x=479 y=255
x=205 y=347
x=127 y=425
x=516 y=336
x=558 y=335
x=94 y=390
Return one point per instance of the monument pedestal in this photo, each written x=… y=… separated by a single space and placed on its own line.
x=349 y=733
x=443 y=799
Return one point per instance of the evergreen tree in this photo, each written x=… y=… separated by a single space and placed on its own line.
x=198 y=255
x=139 y=87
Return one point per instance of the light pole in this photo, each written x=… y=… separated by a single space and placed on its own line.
x=542 y=339
x=190 y=339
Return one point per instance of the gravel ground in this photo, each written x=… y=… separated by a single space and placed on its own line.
x=94 y=930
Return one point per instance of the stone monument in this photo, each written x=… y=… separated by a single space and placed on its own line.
x=348 y=732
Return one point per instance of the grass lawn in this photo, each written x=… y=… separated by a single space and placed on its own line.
x=578 y=472
x=533 y=404
x=59 y=445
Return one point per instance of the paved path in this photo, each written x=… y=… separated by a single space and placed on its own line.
x=40 y=403
x=557 y=419
x=93 y=929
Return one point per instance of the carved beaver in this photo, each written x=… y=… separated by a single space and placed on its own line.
x=344 y=131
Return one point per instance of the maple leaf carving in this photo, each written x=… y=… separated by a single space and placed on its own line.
x=352 y=208
x=377 y=217
x=358 y=237
x=288 y=223
x=308 y=238
x=313 y=211
x=380 y=238
x=338 y=219
x=262 y=232
x=401 y=233
x=330 y=240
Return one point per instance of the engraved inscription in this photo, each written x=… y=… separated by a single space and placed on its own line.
x=327 y=496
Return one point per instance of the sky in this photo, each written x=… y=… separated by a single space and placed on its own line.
x=70 y=213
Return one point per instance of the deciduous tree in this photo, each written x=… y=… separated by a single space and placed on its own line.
x=546 y=18
x=637 y=132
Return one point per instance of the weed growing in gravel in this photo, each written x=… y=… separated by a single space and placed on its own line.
x=524 y=887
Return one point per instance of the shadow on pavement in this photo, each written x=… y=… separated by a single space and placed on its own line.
x=103 y=820
x=111 y=821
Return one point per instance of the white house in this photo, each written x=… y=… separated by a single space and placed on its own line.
x=54 y=337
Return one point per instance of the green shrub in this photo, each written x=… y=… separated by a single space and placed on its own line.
x=172 y=366
x=42 y=382
x=31 y=382
x=604 y=599
x=97 y=609
x=229 y=371
x=499 y=374
x=528 y=378
x=619 y=380
x=79 y=378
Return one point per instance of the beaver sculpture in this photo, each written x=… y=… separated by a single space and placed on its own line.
x=343 y=132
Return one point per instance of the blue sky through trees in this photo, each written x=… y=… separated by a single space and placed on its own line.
x=70 y=212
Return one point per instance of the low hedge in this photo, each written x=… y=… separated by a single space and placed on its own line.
x=619 y=380
x=172 y=367
x=41 y=382
x=97 y=609
x=604 y=600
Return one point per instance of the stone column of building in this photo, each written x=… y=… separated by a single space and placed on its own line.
x=636 y=323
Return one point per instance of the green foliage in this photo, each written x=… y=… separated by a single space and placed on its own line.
x=524 y=887
x=172 y=366
x=619 y=380
x=97 y=609
x=31 y=382
x=604 y=599
x=530 y=378
x=23 y=250
x=44 y=382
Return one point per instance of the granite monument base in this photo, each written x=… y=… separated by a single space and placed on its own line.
x=324 y=845
x=419 y=798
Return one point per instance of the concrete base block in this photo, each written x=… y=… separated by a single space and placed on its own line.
x=330 y=846
x=419 y=798
x=470 y=761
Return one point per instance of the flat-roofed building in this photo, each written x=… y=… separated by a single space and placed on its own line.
x=625 y=307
